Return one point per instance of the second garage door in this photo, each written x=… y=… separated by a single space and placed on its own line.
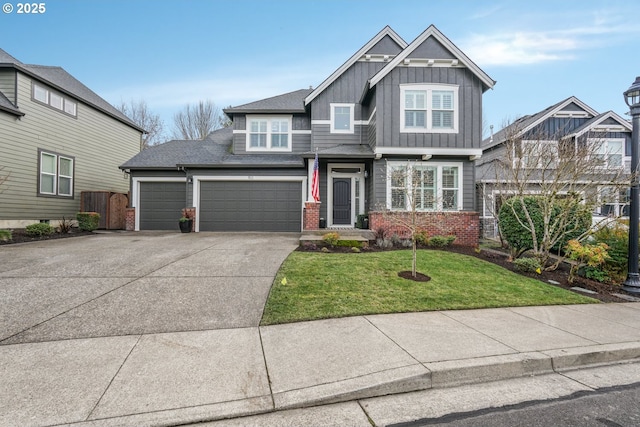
x=250 y=206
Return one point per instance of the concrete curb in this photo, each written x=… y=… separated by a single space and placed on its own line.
x=459 y=372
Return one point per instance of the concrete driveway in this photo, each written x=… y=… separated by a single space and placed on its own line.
x=115 y=284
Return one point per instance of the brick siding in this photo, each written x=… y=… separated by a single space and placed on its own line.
x=130 y=219
x=464 y=225
x=311 y=216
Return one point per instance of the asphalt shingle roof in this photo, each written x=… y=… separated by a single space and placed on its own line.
x=213 y=151
x=8 y=106
x=292 y=102
x=58 y=78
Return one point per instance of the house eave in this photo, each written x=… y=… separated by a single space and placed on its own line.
x=71 y=94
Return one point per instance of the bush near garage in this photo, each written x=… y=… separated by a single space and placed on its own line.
x=88 y=221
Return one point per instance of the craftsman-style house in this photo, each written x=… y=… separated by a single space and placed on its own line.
x=605 y=139
x=392 y=105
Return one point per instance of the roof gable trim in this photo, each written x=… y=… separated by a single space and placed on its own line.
x=432 y=31
x=386 y=31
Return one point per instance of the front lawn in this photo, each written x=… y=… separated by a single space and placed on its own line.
x=313 y=285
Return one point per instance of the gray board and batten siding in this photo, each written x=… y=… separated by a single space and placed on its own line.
x=387 y=100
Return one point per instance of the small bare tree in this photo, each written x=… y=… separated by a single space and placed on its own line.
x=138 y=111
x=196 y=122
x=564 y=174
x=412 y=191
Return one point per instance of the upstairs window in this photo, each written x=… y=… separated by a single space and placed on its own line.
x=54 y=100
x=56 y=175
x=610 y=153
x=268 y=134
x=342 y=116
x=429 y=108
x=538 y=154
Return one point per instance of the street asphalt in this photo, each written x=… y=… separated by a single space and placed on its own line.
x=161 y=329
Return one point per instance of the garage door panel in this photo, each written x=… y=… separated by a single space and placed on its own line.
x=161 y=204
x=250 y=206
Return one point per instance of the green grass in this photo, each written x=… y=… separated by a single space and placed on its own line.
x=321 y=285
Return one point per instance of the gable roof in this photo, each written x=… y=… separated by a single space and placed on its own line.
x=59 y=79
x=526 y=123
x=292 y=102
x=599 y=120
x=385 y=32
x=432 y=31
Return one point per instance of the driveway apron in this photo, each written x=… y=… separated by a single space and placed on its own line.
x=116 y=284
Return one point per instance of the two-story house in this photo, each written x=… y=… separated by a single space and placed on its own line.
x=392 y=105
x=522 y=145
x=57 y=139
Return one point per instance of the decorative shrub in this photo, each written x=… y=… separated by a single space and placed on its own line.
x=88 y=221
x=65 y=225
x=585 y=255
x=528 y=265
x=39 y=229
x=616 y=237
x=348 y=243
x=520 y=239
x=441 y=241
x=331 y=238
x=5 y=235
x=355 y=249
x=422 y=238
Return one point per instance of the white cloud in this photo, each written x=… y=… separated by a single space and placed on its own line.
x=529 y=47
x=518 y=48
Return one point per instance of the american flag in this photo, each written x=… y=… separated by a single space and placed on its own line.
x=315 y=181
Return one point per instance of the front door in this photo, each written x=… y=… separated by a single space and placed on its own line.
x=342 y=201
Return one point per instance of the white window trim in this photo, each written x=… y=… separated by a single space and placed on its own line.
x=351 y=118
x=518 y=161
x=617 y=204
x=330 y=173
x=63 y=103
x=429 y=88
x=606 y=142
x=56 y=175
x=289 y=119
x=439 y=165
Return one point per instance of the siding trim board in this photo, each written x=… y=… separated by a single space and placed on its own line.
x=476 y=153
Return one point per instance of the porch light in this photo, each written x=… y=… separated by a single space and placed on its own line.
x=632 y=98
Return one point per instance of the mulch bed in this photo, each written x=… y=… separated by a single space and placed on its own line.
x=19 y=235
x=559 y=277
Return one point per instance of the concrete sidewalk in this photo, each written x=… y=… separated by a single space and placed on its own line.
x=185 y=377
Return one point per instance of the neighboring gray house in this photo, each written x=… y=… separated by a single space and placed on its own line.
x=57 y=138
x=572 y=121
x=391 y=105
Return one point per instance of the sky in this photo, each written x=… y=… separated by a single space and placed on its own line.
x=172 y=53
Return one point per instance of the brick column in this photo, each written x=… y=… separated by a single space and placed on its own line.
x=130 y=219
x=311 y=215
x=190 y=213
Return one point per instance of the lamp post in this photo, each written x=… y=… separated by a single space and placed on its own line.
x=632 y=98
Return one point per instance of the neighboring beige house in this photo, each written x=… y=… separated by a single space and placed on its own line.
x=57 y=139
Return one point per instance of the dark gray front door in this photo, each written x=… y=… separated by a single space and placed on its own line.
x=161 y=205
x=342 y=201
x=250 y=206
